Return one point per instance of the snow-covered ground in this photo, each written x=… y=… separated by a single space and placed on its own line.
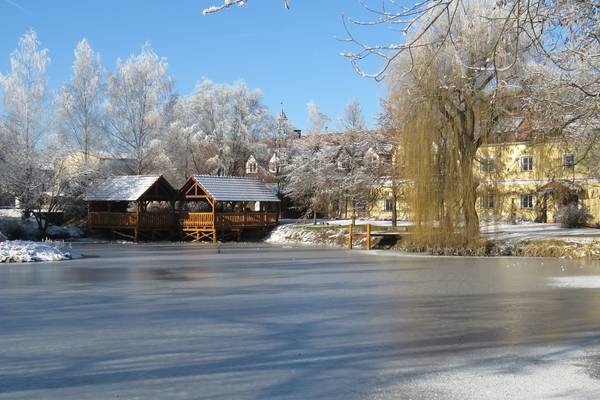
x=534 y=231
x=290 y=234
x=26 y=251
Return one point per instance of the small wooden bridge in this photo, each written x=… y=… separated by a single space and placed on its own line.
x=369 y=234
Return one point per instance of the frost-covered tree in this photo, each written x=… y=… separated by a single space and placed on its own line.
x=230 y=3
x=317 y=121
x=353 y=119
x=25 y=93
x=223 y=126
x=335 y=174
x=25 y=123
x=137 y=93
x=80 y=114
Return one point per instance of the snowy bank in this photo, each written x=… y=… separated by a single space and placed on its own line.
x=311 y=235
x=525 y=240
x=12 y=251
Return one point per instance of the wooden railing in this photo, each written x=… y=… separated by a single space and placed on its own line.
x=229 y=220
x=248 y=219
x=125 y=219
x=197 y=220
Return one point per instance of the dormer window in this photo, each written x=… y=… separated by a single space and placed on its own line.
x=274 y=164
x=251 y=166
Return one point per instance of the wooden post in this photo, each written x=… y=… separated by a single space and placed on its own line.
x=137 y=222
x=368 y=236
x=350 y=236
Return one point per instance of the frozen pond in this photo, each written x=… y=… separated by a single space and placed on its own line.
x=260 y=322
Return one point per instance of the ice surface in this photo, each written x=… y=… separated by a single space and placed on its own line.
x=186 y=321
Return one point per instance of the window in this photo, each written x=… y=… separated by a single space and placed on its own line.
x=487 y=165
x=487 y=201
x=568 y=160
x=251 y=167
x=527 y=200
x=273 y=167
x=527 y=163
x=388 y=204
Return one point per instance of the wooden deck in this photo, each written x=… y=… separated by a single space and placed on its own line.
x=193 y=225
x=206 y=225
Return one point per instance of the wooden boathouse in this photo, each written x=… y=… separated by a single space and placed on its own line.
x=223 y=206
x=206 y=207
x=133 y=207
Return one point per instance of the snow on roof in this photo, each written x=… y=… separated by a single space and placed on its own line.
x=235 y=188
x=121 y=188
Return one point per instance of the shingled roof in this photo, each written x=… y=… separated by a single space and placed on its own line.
x=126 y=188
x=235 y=188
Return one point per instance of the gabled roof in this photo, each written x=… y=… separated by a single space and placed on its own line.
x=235 y=188
x=127 y=188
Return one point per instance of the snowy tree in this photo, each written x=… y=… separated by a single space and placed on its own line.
x=230 y=3
x=138 y=91
x=225 y=124
x=317 y=121
x=25 y=93
x=80 y=114
x=25 y=123
x=353 y=119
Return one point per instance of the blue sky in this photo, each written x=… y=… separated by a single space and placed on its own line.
x=292 y=56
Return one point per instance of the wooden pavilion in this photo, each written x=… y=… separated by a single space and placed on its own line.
x=132 y=207
x=218 y=206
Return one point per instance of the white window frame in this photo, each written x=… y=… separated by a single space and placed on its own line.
x=252 y=167
x=487 y=201
x=529 y=164
x=527 y=201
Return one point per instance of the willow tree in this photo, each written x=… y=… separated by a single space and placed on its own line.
x=446 y=94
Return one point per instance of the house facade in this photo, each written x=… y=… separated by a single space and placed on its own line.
x=531 y=179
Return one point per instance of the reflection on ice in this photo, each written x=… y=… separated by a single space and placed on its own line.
x=580 y=282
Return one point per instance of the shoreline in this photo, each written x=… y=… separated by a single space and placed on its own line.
x=540 y=246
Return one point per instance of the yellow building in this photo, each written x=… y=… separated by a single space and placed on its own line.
x=531 y=180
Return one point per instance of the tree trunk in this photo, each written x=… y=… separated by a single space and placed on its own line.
x=394 y=207
x=469 y=199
